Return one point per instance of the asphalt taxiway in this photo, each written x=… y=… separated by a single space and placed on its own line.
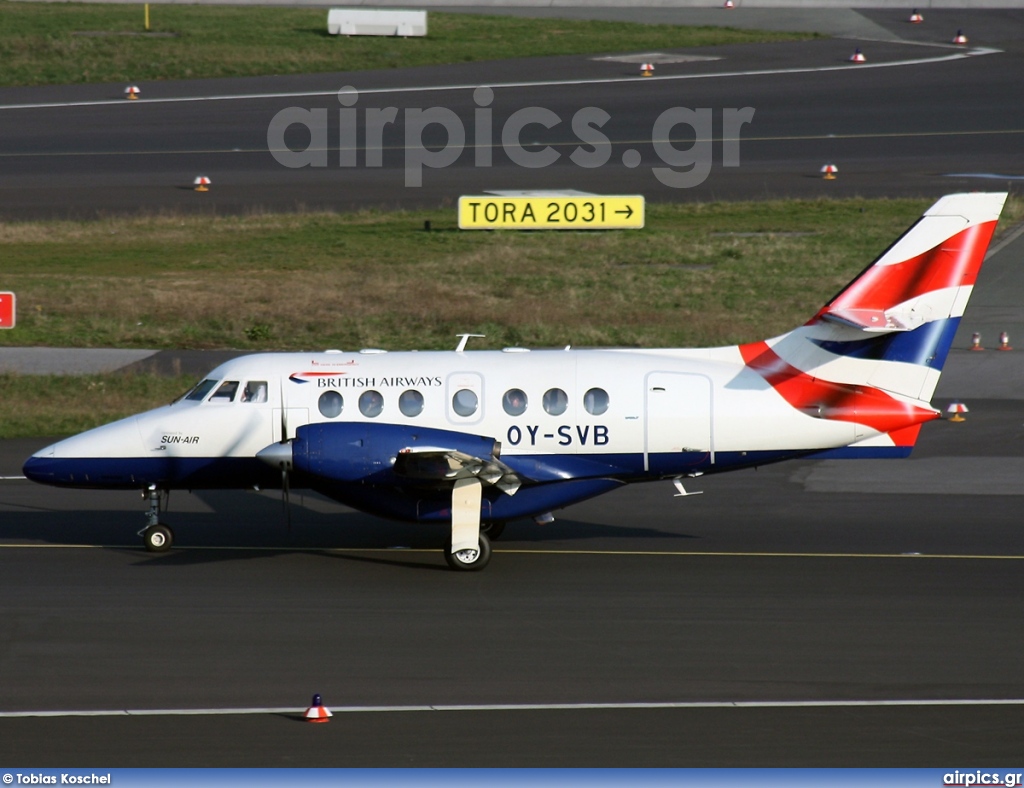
x=921 y=117
x=783 y=588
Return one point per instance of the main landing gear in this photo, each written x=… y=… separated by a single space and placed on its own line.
x=157 y=537
x=468 y=548
x=470 y=559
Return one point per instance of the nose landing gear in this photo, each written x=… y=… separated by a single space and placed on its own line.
x=156 y=536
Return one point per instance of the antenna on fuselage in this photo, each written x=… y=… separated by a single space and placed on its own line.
x=464 y=339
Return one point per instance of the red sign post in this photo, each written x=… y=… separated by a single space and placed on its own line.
x=6 y=310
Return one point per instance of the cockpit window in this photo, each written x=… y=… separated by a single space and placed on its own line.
x=226 y=392
x=255 y=391
x=200 y=390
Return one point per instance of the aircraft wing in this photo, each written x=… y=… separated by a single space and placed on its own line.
x=443 y=465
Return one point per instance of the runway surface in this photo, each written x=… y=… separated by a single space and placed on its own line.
x=892 y=129
x=800 y=583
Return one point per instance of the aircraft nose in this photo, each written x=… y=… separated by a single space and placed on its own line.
x=103 y=457
x=39 y=467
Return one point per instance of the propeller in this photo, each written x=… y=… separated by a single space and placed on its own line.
x=279 y=455
x=285 y=500
x=286 y=465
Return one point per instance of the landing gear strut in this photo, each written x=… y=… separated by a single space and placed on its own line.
x=468 y=549
x=156 y=536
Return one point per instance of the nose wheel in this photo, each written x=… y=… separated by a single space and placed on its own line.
x=156 y=536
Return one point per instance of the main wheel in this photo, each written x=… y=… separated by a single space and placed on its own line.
x=469 y=560
x=493 y=530
x=158 y=538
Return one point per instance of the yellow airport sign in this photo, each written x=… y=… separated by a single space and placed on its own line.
x=578 y=212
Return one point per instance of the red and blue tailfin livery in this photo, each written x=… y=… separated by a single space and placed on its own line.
x=473 y=439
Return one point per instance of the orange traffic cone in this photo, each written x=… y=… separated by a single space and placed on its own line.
x=202 y=183
x=1004 y=342
x=829 y=171
x=858 y=56
x=647 y=70
x=956 y=408
x=318 y=712
x=976 y=341
x=131 y=92
x=916 y=18
x=959 y=38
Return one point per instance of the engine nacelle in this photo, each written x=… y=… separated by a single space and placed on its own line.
x=354 y=451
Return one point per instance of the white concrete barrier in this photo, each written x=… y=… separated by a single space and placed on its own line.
x=376 y=22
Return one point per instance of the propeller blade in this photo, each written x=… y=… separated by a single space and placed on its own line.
x=284 y=414
x=285 y=466
x=286 y=499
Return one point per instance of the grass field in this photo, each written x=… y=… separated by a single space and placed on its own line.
x=64 y=43
x=699 y=274
x=54 y=405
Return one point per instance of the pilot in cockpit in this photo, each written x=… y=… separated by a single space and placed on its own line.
x=255 y=391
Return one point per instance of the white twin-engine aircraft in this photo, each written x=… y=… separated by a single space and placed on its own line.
x=479 y=438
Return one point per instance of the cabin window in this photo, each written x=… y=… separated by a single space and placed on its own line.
x=331 y=404
x=200 y=390
x=226 y=392
x=555 y=402
x=410 y=403
x=596 y=401
x=255 y=391
x=514 y=402
x=371 y=403
x=465 y=402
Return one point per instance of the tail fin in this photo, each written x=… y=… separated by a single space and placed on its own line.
x=874 y=353
x=906 y=306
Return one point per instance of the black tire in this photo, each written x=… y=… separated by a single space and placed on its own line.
x=158 y=538
x=493 y=530
x=469 y=560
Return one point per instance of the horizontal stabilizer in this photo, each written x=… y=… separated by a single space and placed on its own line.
x=874 y=320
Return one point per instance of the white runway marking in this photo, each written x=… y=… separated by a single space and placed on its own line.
x=737 y=704
x=959 y=55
